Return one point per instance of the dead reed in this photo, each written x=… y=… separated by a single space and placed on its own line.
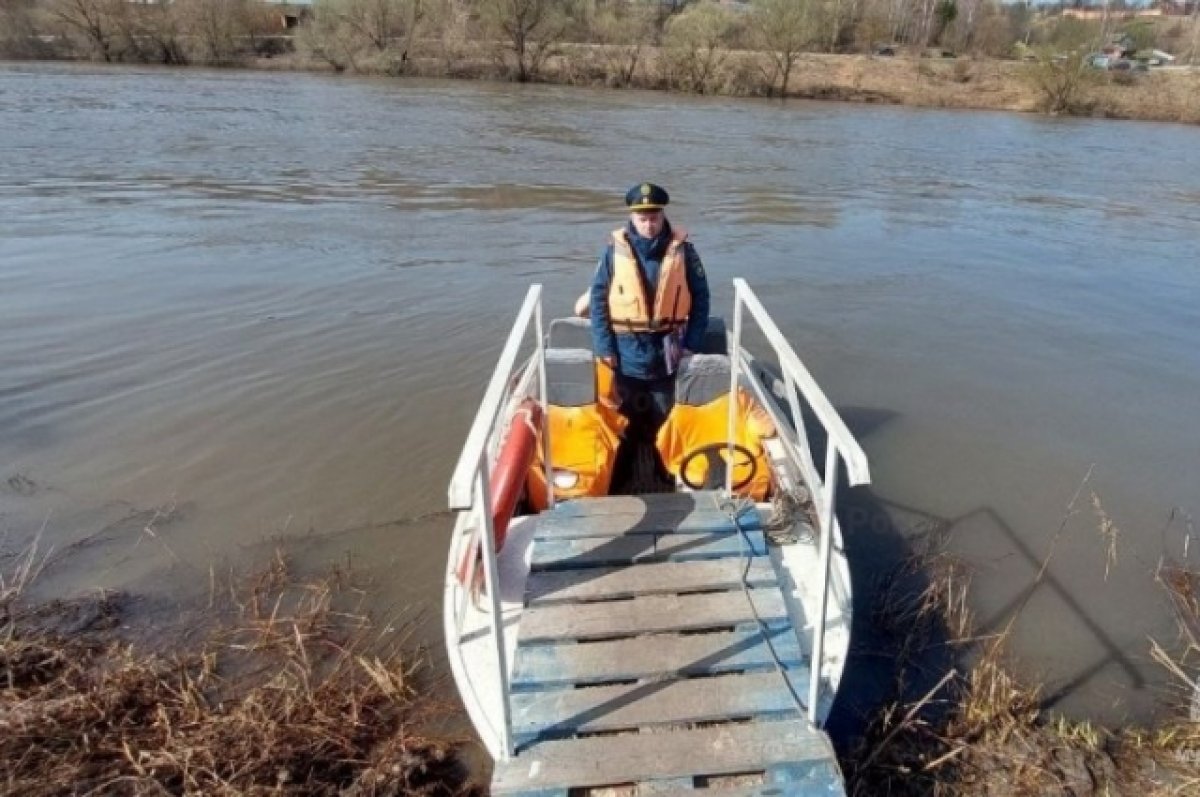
x=289 y=693
x=980 y=730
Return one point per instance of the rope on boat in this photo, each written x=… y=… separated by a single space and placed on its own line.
x=734 y=506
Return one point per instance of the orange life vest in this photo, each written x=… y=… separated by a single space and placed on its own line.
x=629 y=308
x=584 y=426
x=583 y=445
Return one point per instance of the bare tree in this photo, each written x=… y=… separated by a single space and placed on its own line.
x=832 y=17
x=1063 y=79
x=149 y=32
x=875 y=24
x=944 y=13
x=624 y=31
x=449 y=23
x=91 y=19
x=1195 y=34
x=383 y=24
x=695 y=45
x=18 y=31
x=995 y=31
x=531 y=31
x=900 y=19
x=781 y=28
x=969 y=14
x=327 y=37
x=214 y=29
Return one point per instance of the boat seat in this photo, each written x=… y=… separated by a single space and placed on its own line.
x=570 y=378
x=570 y=333
x=693 y=441
x=576 y=333
x=584 y=431
x=715 y=340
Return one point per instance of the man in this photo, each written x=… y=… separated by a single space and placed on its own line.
x=649 y=307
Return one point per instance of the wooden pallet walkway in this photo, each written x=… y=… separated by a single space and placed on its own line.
x=655 y=651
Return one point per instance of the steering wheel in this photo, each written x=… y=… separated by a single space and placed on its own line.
x=714 y=472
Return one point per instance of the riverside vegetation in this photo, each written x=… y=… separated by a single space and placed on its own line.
x=288 y=689
x=981 y=730
x=939 y=53
x=283 y=684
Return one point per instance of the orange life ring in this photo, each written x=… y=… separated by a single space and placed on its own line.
x=507 y=480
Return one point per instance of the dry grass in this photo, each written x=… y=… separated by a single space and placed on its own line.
x=968 y=83
x=984 y=732
x=289 y=694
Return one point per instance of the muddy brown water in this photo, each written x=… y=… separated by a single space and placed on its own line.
x=237 y=308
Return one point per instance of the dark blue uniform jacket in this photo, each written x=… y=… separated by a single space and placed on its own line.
x=640 y=354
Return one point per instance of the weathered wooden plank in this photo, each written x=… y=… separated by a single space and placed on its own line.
x=598 y=551
x=566 y=712
x=597 y=761
x=552 y=525
x=549 y=666
x=602 y=583
x=653 y=614
x=826 y=780
x=665 y=786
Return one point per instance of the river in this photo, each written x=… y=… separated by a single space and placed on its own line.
x=242 y=307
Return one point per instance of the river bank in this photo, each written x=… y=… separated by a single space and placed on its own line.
x=982 y=730
x=946 y=83
x=918 y=82
x=908 y=80
x=282 y=684
x=231 y=316
x=995 y=58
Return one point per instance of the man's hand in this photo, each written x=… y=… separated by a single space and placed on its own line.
x=686 y=353
x=610 y=361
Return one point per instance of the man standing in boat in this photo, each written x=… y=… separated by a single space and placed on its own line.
x=649 y=307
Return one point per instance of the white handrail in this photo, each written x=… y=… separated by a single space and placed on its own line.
x=840 y=445
x=462 y=482
x=469 y=491
x=852 y=454
x=825 y=548
x=492 y=582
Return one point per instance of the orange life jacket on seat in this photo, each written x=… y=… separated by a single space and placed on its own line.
x=629 y=306
x=700 y=420
x=584 y=431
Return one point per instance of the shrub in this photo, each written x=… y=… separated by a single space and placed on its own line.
x=1063 y=82
x=695 y=47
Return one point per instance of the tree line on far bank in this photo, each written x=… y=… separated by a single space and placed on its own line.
x=691 y=45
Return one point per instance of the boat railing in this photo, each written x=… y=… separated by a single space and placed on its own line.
x=469 y=491
x=841 y=449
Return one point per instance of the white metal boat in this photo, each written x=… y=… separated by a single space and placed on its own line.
x=664 y=641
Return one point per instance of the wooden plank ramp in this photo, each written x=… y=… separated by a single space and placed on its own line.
x=655 y=653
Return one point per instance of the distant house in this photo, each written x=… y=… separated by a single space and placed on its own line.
x=291 y=17
x=1164 y=8
x=1178 y=8
x=287 y=15
x=1086 y=12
